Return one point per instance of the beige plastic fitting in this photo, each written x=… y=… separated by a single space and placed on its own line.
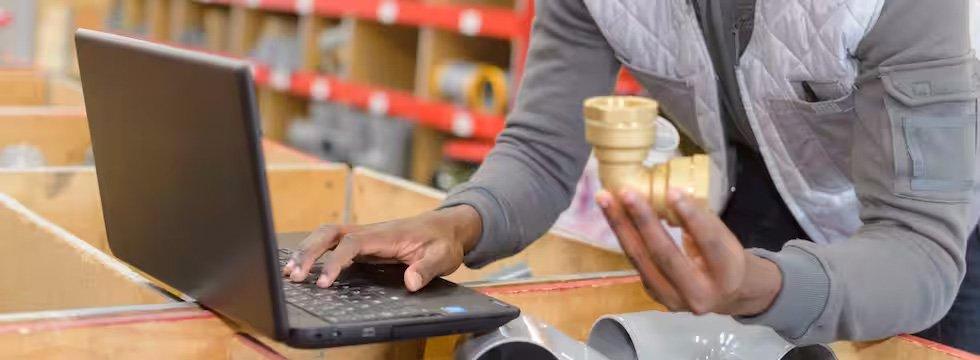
x=622 y=130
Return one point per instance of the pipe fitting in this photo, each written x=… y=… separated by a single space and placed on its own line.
x=622 y=129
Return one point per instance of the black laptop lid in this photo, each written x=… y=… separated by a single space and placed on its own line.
x=178 y=163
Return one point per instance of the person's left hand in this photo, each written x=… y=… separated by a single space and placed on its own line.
x=721 y=277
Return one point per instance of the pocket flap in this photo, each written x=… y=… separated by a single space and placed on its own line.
x=931 y=81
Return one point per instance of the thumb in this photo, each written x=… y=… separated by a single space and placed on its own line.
x=421 y=272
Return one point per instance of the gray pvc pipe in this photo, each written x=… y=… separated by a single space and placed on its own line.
x=525 y=338
x=21 y=156
x=663 y=335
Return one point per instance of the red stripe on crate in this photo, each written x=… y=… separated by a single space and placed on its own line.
x=111 y=320
x=559 y=286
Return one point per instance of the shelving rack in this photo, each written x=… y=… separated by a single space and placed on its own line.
x=395 y=46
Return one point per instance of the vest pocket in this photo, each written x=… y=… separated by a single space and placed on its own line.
x=817 y=137
x=932 y=107
x=675 y=97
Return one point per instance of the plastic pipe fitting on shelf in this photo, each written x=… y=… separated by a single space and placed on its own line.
x=622 y=130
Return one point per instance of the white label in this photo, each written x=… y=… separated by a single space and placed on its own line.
x=253 y=3
x=304 y=7
x=462 y=124
x=280 y=80
x=378 y=104
x=320 y=89
x=387 y=12
x=470 y=22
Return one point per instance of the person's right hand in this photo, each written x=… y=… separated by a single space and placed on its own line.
x=431 y=244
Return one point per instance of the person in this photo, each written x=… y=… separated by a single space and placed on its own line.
x=845 y=132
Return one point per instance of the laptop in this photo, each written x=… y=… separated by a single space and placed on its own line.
x=180 y=170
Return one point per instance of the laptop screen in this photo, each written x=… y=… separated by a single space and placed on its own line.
x=177 y=157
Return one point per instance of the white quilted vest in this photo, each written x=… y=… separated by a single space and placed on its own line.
x=806 y=145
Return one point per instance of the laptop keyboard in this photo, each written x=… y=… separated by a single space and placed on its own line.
x=350 y=300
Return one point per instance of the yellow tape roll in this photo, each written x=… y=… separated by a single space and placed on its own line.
x=478 y=86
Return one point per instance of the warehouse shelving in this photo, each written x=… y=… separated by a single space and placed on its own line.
x=394 y=48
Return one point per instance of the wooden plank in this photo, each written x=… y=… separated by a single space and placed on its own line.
x=79 y=275
x=904 y=347
x=572 y=306
x=383 y=55
x=396 y=350
x=377 y=197
x=217 y=34
x=277 y=153
x=158 y=19
x=278 y=110
x=68 y=196
x=181 y=334
x=22 y=88
x=184 y=15
x=304 y=197
x=63 y=91
x=246 y=24
x=61 y=133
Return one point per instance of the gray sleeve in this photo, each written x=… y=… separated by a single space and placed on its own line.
x=913 y=161
x=530 y=176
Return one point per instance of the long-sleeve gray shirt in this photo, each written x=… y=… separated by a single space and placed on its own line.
x=899 y=273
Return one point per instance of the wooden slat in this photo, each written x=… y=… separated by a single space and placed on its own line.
x=182 y=334
x=65 y=92
x=61 y=133
x=572 y=306
x=377 y=197
x=276 y=153
x=43 y=267
x=21 y=88
x=68 y=196
x=397 y=350
x=905 y=347
x=304 y=197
